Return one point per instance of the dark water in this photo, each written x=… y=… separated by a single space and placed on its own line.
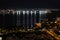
x=20 y=20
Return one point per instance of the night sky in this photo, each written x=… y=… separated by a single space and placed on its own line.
x=29 y=4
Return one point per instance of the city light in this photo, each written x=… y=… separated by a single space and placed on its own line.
x=18 y=12
x=24 y=12
x=0 y=38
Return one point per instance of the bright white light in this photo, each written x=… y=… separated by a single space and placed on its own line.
x=27 y=12
x=18 y=12
x=43 y=12
x=34 y=12
x=31 y=12
x=23 y=12
x=0 y=38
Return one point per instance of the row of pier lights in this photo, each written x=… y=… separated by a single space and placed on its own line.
x=22 y=11
x=31 y=12
x=26 y=10
x=25 y=20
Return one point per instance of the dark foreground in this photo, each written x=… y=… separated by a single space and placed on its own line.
x=28 y=36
